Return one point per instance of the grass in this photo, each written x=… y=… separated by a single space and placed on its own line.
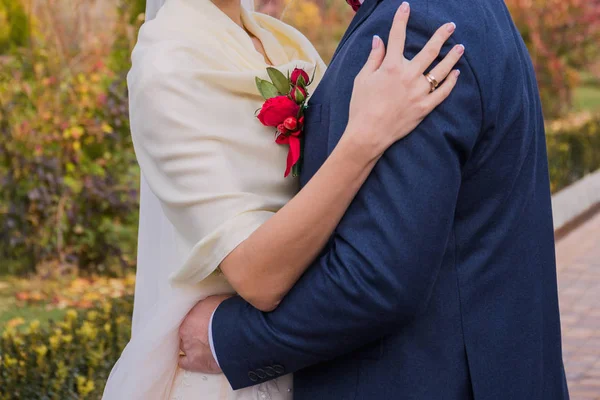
x=587 y=98
x=46 y=299
x=9 y=309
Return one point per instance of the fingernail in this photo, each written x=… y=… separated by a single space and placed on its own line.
x=376 y=41
x=460 y=49
x=451 y=27
x=457 y=73
x=405 y=7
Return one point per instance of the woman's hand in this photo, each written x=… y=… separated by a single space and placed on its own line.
x=391 y=94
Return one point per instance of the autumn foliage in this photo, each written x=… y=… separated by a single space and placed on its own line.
x=70 y=359
x=68 y=172
x=563 y=37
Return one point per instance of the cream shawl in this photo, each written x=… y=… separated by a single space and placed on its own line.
x=213 y=167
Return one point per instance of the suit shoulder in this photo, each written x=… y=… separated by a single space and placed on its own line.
x=469 y=15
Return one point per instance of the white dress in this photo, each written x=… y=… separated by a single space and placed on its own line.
x=216 y=172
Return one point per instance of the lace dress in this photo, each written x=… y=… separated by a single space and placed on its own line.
x=191 y=385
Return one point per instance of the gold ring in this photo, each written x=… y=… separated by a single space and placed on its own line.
x=433 y=83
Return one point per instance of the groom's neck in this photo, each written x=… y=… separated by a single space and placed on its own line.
x=232 y=8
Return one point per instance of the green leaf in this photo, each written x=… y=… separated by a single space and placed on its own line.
x=266 y=89
x=279 y=80
x=300 y=82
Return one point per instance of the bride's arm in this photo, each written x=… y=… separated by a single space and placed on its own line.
x=264 y=267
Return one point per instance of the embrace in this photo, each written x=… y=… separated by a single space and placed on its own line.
x=378 y=230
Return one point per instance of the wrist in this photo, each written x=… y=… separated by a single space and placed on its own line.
x=355 y=148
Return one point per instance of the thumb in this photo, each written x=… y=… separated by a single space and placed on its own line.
x=377 y=55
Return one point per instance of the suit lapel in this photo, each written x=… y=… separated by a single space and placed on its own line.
x=363 y=13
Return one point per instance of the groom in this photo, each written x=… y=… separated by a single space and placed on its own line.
x=439 y=283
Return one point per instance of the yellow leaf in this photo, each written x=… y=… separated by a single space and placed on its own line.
x=13 y=323
x=38 y=68
x=107 y=128
x=77 y=132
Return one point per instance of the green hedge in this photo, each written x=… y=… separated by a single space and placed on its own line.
x=70 y=359
x=573 y=150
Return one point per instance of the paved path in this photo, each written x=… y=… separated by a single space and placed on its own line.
x=578 y=260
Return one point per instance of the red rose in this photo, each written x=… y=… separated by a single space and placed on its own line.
x=296 y=74
x=276 y=110
x=355 y=4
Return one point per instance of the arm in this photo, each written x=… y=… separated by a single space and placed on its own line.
x=383 y=260
x=264 y=267
x=263 y=258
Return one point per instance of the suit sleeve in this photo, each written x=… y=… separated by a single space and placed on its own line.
x=383 y=258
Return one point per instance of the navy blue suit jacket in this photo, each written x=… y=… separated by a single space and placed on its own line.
x=440 y=280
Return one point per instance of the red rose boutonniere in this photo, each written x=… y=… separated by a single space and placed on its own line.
x=355 y=4
x=285 y=103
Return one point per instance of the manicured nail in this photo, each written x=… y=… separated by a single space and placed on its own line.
x=460 y=49
x=451 y=27
x=405 y=7
x=457 y=73
x=376 y=41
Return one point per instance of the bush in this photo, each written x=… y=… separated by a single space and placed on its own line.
x=68 y=171
x=67 y=166
x=573 y=149
x=563 y=38
x=15 y=25
x=69 y=360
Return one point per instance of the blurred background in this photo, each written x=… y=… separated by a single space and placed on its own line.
x=69 y=198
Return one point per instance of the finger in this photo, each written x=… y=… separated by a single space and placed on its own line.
x=377 y=55
x=441 y=93
x=432 y=49
x=395 y=50
x=441 y=71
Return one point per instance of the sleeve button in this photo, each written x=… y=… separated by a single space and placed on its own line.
x=261 y=373
x=279 y=369
x=253 y=377
x=270 y=371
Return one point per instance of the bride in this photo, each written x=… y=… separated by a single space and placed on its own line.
x=217 y=215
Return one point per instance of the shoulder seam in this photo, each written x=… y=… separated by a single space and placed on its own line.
x=479 y=86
